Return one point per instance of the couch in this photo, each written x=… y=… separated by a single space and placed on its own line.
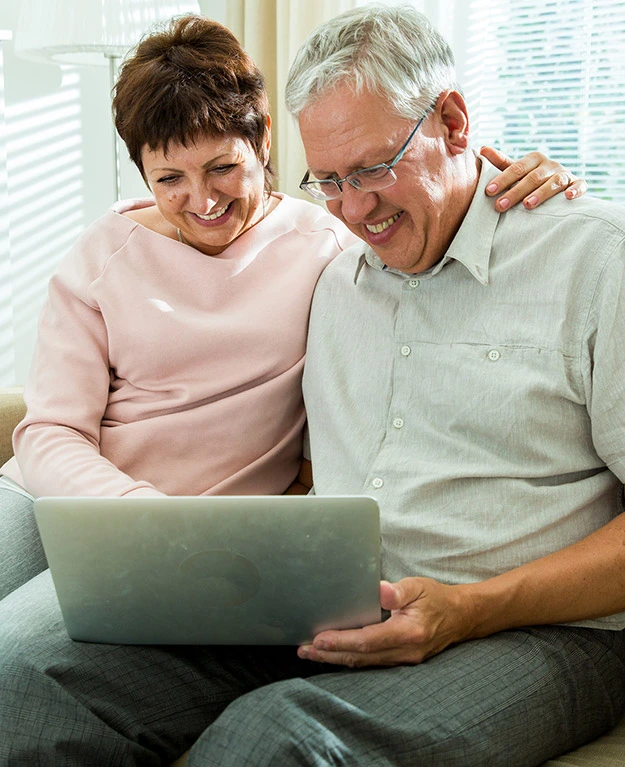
x=606 y=751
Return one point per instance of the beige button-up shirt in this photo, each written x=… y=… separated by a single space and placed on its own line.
x=482 y=403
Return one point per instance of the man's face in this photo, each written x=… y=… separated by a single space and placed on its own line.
x=409 y=224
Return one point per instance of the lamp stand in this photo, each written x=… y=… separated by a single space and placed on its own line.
x=113 y=64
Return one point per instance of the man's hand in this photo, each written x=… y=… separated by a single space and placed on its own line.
x=426 y=617
x=531 y=180
x=581 y=581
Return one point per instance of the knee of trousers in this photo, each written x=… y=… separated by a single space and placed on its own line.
x=294 y=723
x=29 y=699
x=280 y=724
x=24 y=672
x=36 y=655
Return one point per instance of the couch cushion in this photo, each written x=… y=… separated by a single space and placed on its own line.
x=12 y=411
x=606 y=751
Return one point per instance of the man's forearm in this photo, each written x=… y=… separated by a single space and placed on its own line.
x=582 y=581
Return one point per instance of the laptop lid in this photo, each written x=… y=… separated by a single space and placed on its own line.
x=212 y=569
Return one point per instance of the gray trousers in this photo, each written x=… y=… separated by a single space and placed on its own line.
x=516 y=698
x=21 y=553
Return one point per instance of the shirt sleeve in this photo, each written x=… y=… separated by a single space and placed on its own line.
x=603 y=362
x=57 y=443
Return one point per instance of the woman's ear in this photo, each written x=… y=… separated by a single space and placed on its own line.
x=455 y=118
x=267 y=140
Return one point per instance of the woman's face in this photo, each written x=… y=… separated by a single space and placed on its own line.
x=212 y=190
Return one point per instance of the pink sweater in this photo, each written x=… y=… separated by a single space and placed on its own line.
x=159 y=370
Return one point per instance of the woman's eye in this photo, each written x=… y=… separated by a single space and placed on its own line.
x=168 y=179
x=223 y=169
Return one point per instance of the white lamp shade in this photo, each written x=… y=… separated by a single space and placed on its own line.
x=89 y=31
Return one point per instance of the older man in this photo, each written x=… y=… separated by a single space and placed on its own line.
x=466 y=370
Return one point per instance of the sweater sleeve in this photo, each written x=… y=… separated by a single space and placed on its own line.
x=57 y=443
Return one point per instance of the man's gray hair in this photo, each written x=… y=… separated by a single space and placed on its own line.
x=392 y=51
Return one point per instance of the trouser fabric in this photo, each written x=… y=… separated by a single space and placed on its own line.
x=21 y=552
x=516 y=698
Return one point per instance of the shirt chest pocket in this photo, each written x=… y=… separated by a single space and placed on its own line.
x=519 y=401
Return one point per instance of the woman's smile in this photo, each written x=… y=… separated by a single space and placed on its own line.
x=217 y=218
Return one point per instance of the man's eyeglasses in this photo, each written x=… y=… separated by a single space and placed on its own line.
x=371 y=179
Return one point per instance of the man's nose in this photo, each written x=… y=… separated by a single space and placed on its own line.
x=355 y=204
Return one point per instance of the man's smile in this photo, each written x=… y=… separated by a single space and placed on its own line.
x=377 y=228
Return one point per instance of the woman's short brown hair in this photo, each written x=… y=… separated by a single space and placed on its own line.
x=189 y=80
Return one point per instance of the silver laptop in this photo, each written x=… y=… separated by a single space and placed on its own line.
x=212 y=569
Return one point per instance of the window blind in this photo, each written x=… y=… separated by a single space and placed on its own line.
x=550 y=75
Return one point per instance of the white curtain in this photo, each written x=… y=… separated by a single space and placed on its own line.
x=551 y=76
x=271 y=31
x=7 y=331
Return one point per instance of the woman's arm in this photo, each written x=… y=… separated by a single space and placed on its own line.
x=57 y=445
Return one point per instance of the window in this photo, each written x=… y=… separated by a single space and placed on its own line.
x=550 y=75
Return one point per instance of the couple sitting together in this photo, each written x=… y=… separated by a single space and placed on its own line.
x=463 y=367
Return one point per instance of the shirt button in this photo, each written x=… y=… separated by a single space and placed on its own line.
x=377 y=482
x=405 y=351
x=414 y=283
x=493 y=355
x=398 y=423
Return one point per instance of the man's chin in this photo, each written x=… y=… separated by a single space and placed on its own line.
x=408 y=263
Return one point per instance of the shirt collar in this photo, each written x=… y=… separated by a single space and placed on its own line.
x=472 y=244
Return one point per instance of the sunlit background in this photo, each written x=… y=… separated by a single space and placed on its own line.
x=56 y=177
x=546 y=74
x=46 y=196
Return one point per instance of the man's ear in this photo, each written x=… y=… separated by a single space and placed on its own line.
x=455 y=118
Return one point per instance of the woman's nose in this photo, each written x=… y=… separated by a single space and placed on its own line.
x=202 y=198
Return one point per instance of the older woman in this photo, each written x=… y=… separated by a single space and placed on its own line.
x=169 y=361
